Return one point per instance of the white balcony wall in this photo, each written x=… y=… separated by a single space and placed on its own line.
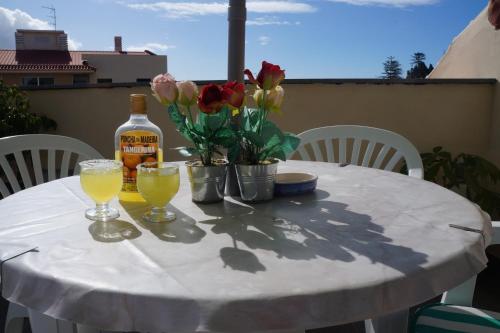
x=456 y=116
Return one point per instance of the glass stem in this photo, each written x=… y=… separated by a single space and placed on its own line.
x=101 y=208
x=157 y=211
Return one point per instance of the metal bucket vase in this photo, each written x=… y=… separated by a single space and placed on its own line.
x=257 y=181
x=207 y=182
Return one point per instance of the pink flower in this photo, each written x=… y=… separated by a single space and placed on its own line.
x=165 y=89
x=188 y=92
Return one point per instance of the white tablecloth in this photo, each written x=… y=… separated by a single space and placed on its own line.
x=366 y=243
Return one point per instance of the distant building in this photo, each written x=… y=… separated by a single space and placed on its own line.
x=41 y=58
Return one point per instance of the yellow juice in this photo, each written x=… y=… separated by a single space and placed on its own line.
x=158 y=187
x=101 y=184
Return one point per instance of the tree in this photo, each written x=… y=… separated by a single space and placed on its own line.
x=419 y=69
x=392 y=69
x=14 y=115
x=417 y=58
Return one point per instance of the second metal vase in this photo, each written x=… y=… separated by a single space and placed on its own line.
x=207 y=182
x=256 y=182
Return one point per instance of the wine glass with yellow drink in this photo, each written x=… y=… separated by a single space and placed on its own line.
x=158 y=183
x=101 y=180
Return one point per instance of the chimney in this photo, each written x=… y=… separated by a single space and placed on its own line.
x=118 y=43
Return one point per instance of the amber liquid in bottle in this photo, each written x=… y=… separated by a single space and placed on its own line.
x=136 y=141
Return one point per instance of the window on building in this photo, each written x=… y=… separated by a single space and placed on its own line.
x=30 y=81
x=38 y=81
x=45 y=81
x=104 y=80
x=81 y=79
x=143 y=80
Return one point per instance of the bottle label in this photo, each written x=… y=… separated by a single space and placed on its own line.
x=136 y=147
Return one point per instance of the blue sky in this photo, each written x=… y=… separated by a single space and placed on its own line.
x=309 y=38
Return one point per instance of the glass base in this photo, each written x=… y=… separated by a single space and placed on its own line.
x=102 y=213
x=159 y=215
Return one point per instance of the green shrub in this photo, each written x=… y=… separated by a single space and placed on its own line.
x=470 y=175
x=15 y=118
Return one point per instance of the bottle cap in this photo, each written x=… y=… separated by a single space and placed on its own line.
x=138 y=104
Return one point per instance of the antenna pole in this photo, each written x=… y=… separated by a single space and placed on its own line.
x=52 y=15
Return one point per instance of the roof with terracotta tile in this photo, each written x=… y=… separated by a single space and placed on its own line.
x=52 y=61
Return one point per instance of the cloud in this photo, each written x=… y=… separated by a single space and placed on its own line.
x=388 y=3
x=74 y=44
x=155 y=47
x=264 y=40
x=10 y=20
x=190 y=9
x=182 y=9
x=270 y=20
x=283 y=7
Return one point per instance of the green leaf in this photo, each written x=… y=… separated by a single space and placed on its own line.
x=275 y=140
x=290 y=143
x=445 y=155
x=275 y=151
x=253 y=138
x=271 y=134
x=233 y=152
x=255 y=119
x=437 y=149
x=225 y=137
x=431 y=173
x=186 y=133
x=216 y=121
x=180 y=122
x=177 y=118
x=251 y=119
x=245 y=120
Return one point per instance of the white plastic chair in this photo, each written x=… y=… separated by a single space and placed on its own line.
x=459 y=301
x=22 y=146
x=361 y=135
x=370 y=147
x=21 y=166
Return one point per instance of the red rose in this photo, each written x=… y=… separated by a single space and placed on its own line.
x=211 y=99
x=269 y=76
x=233 y=93
x=494 y=13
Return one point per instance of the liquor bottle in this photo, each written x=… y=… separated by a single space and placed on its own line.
x=136 y=141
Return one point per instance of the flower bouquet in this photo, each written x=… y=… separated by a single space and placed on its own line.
x=204 y=120
x=261 y=142
x=254 y=144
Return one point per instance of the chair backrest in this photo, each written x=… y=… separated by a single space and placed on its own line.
x=390 y=142
x=20 y=159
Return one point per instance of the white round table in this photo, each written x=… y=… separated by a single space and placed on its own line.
x=365 y=244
